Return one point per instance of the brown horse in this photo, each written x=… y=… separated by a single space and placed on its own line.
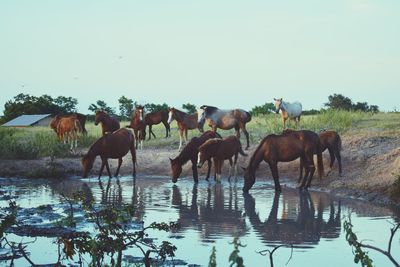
x=109 y=123
x=138 y=125
x=285 y=148
x=68 y=129
x=80 y=117
x=185 y=122
x=115 y=146
x=156 y=118
x=190 y=152
x=225 y=120
x=329 y=140
x=220 y=150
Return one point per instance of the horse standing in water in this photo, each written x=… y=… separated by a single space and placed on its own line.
x=109 y=123
x=289 y=111
x=285 y=148
x=185 y=122
x=220 y=150
x=225 y=120
x=156 y=118
x=115 y=146
x=190 y=152
x=80 y=117
x=68 y=129
x=138 y=125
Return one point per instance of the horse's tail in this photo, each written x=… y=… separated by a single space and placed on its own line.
x=339 y=143
x=241 y=152
x=77 y=126
x=320 y=163
x=248 y=116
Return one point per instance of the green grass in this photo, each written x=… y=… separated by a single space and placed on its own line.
x=37 y=142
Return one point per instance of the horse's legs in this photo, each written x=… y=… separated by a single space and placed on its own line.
x=151 y=130
x=301 y=170
x=107 y=167
x=186 y=139
x=101 y=168
x=310 y=162
x=150 y=126
x=284 y=123
x=215 y=169
x=247 y=136
x=219 y=171
x=339 y=159
x=195 y=172
x=274 y=170
x=230 y=169
x=209 y=169
x=235 y=165
x=119 y=166
x=332 y=156
x=133 y=154
x=167 y=129
x=180 y=138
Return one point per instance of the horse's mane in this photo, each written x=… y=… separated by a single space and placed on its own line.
x=210 y=142
x=265 y=139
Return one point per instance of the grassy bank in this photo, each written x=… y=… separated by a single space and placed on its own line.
x=37 y=142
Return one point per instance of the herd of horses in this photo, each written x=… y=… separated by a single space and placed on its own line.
x=209 y=147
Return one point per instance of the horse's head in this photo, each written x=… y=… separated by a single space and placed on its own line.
x=99 y=117
x=249 y=179
x=140 y=112
x=201 y=118
x=171 y=114
x=207 y=150
x=278 y=104
x=176 y=168
x=87 y=164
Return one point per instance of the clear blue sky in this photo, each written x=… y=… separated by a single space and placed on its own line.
x=226 y=53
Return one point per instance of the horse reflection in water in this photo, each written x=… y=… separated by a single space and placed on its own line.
x=301 y=227
x=214 y=215
x=111 y=193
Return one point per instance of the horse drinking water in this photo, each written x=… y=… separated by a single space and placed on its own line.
x=185 y=122
x=109 y=123
x=225 y=119
x=115 y=146
x=285 y=148
x=288 y=110
x=190 y=152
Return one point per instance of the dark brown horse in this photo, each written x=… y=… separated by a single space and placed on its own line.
x=285 y=148
x=80 y=117
x=109 y=123
x=225 y=120
x=138 y=125
x=156 y=118
x=220 y=150
x=185 y=122
x=190 y=152
x=68 y=129
x=115 y=146
x=329 y=140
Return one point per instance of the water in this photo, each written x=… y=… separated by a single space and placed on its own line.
x=212 y=214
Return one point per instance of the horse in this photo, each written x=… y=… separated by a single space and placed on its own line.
x=220 y=150
x=82 y=120
x=190 y=152
x=113 y=145
x=285 y=148
x=138 y=125
x=185 y=122
x=289 y=111
x=225 y=120
x=329 y=140
x=156 y=118
x=108 y=123
x=68 y=129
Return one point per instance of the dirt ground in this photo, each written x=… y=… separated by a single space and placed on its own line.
x=371 y=162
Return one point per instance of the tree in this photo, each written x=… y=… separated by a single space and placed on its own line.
x=101 y=105
x=27 y=104
x=126 y=107
x=263 y=110
x=190 y=108
x=361 y=106
x=338 y=101
x=155 y=107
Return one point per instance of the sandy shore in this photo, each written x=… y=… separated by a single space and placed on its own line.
x=370 y=164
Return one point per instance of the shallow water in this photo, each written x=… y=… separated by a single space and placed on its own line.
x=211 y=214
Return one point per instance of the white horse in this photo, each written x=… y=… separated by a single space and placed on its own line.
x=288 y=111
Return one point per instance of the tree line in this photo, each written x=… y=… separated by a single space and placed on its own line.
x=26 y=104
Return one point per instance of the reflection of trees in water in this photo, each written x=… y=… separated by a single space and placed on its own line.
x=210 y=216
x=308 y=226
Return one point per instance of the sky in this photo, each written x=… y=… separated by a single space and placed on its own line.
x=226 y=53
